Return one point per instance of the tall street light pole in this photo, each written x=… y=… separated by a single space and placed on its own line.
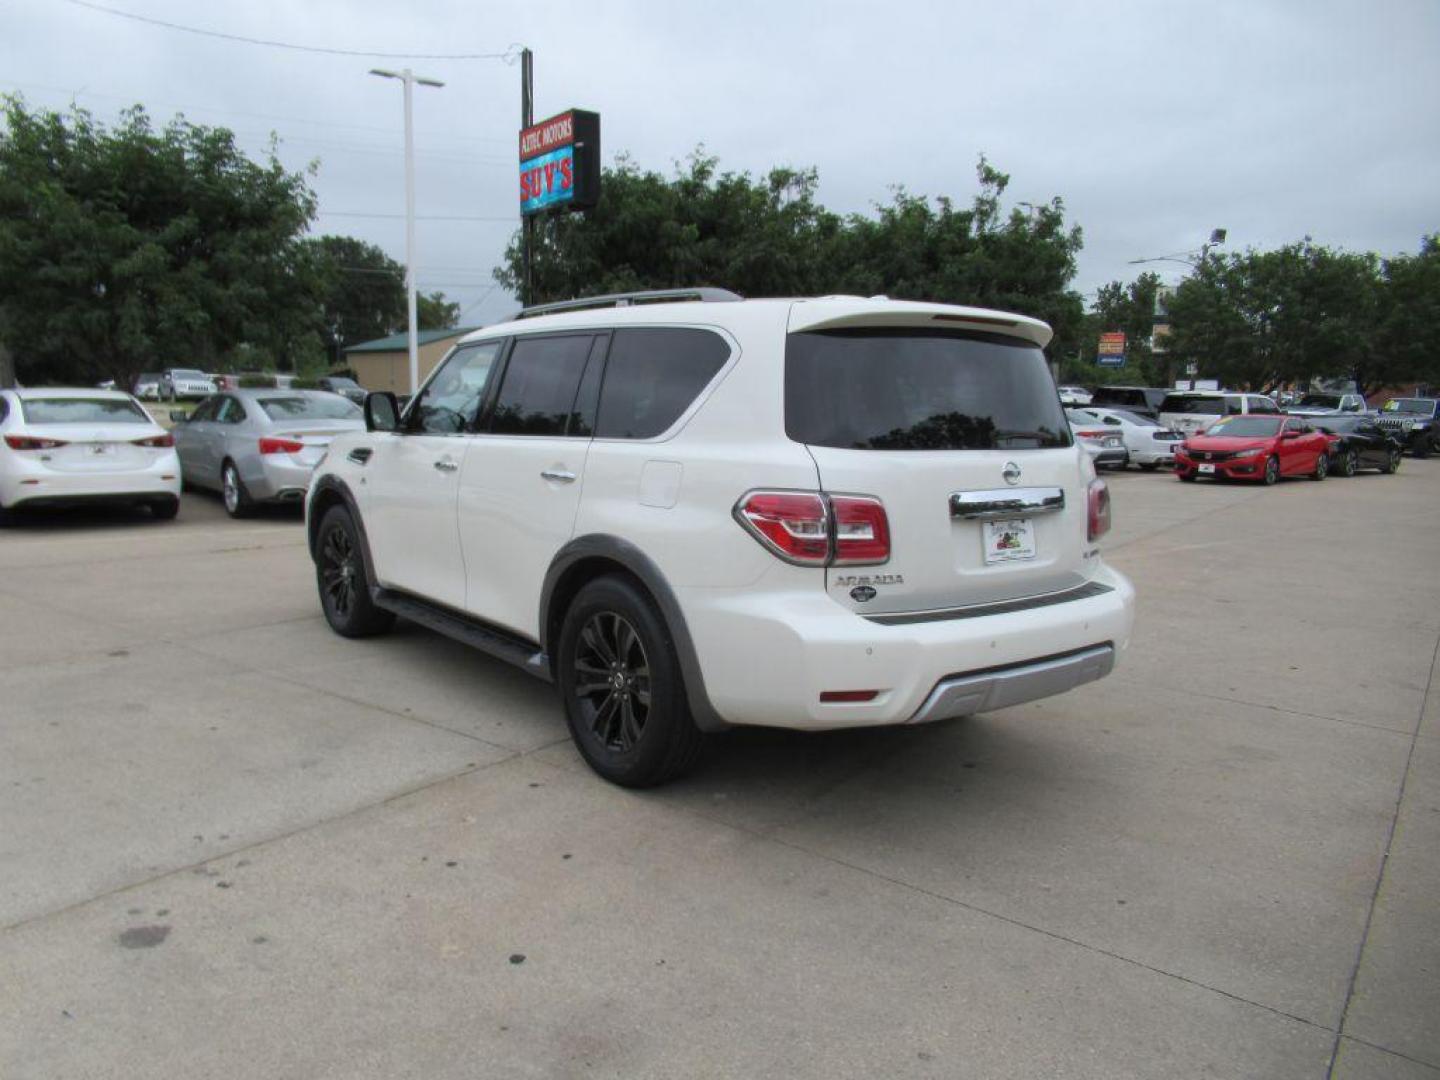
x=409 y=79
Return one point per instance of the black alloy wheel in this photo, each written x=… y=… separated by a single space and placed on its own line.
x=1392 y=461
x=612 y=681
x=1350 y=463
x=1272 y=471
x=622 y=688
x=340 y=575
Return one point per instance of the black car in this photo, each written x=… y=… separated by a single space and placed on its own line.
x=1415 y=421
x=346 y=387
x=1144 y=400
x=1360 y=443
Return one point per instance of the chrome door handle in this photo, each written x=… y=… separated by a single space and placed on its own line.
x=446 y=465
x=560 y=476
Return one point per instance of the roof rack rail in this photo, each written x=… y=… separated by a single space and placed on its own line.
x=651 y=296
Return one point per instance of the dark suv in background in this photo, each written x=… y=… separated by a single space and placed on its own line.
x=1144 y=400
x=1415 y=421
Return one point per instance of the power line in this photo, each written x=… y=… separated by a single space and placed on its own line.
x=508 y=56
x=419 y=217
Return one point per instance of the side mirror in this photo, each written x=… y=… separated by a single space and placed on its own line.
x=179 y=416
x=382 y=411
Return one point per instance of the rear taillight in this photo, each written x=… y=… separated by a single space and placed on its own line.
x=862 y=531
x=811 y=528
x=270 y=445
x=30 y=442
x=1098 y=514
x=1092 y=434
x=157 y=440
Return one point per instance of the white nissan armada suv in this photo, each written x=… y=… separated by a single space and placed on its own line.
x=691 y=511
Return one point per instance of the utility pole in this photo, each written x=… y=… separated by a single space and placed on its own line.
x=409 y=78
x=527 y=225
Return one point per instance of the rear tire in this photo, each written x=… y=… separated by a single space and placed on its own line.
x=1392 y=462
x=623 y=693
x=1322 y=466
x=238 y=503
x=340 y=577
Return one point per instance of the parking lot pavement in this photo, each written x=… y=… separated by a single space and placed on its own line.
x=233 y=843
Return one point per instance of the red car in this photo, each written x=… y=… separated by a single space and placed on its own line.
x=1252 y=447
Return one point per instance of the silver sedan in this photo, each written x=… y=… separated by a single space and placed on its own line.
x=257 y=446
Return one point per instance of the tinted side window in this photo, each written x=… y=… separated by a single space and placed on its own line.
x=542 y=380
x=448 y=403
x=653 y=375
x=1263 y=405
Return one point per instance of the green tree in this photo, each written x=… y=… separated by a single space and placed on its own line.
x=1289 y=315
x=127 y=249
x=363 y=289
x=770 y=237
x=434 y=312
x=1407 y=346
x=1129 y=309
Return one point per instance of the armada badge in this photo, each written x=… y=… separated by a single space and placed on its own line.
x=1011 y=473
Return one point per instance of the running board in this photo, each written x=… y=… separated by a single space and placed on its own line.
x=491 y=640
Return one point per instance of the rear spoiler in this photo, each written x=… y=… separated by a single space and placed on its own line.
x=854 y=313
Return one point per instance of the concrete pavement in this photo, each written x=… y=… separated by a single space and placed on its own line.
x=234 y=844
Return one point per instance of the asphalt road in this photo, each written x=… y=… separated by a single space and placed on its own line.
x=233 y=844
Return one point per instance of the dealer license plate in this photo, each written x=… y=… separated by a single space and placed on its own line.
x=1207 y=468
x=1009 y=541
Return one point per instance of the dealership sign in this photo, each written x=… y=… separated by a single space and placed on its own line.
x=1112 y=350
x=560 y=163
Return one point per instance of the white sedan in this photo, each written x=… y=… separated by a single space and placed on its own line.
x=76 y=447
x=1148 y=443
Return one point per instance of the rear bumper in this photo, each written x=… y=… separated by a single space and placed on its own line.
x=767 y=658
x=278 y=479
x=32 y=484
x=998 y=688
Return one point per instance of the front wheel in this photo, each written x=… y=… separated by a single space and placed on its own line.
x=1350 y=463
x=623 y=693
x=1392 y=462
x=340 y=576
x=1272 y=471
x=1322 y=466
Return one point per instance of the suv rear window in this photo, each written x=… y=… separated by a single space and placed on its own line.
x=883 y=389
x=1184 y=403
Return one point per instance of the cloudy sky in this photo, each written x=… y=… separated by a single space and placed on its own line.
x=1154 y=121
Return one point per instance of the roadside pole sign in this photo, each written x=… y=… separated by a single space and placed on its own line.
x=1111 y=352
x=560 y=163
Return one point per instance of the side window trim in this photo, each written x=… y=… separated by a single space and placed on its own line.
x=481 y=424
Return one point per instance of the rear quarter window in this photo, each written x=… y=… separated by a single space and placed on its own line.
x=652 y=376
x=880 y=389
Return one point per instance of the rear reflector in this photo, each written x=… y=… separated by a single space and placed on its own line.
x=812 y=528
x=270 y=445
x=29 y=442
x=157 y=440
x=1098 y=515
x=837 y=696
